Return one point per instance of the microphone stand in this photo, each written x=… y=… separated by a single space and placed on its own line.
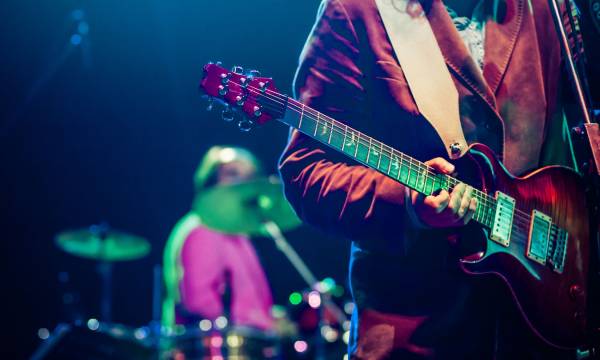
x=589 y=164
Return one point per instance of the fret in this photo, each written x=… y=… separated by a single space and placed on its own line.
x=336 y=139
x=489 y=215
x=350 y=142
x=482 y=213
x=317 y=126
x=307 y=125
x=356 y=144
x=301 y=116
x=362 y=151
x=428 y=185
x=330 y=133
x=395 y=167
x=484 y=209
x=404 y=173
x=418 y=173
x=421 y=179
x=444 y=183
x=344 y=139
x=477 y=215
x=369 y=150
x=412 y=175
x=373 y=155
x=380 y=154
x=384 y=163
x=436 y=184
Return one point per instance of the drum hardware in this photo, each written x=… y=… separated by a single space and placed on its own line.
x=259 y=207
x=106 y=246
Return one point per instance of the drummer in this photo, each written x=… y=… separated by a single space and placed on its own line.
x=200 y=263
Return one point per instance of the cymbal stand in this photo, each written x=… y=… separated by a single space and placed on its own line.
x=105 y=270
x=284 y=246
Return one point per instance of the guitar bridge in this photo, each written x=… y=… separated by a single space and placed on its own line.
x=558 y=251
x=503 y=219
x=539 y=237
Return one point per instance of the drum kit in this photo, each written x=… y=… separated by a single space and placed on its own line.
x=317 y=330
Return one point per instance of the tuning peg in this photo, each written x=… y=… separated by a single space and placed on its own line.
x=257 y=111
x=223 y=90
x=228 y=114
x=253 y=73
x=245 y=125
x=219 y=63
x=239 y=100
x=237 y=70
x=225 y=78
x=211 y=102
x=264 y=85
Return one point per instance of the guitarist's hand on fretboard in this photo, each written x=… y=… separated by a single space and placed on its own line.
x=444 y=209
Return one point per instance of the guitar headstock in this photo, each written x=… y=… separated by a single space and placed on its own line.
x=246 y=92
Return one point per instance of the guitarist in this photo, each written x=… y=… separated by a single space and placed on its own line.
x=413 y=301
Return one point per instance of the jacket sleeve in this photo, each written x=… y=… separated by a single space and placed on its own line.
x=327 y=189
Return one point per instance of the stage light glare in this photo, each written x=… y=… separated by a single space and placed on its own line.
x=314 y=299
x=140 y=333
x=234 y=341
x=329 y=334
x=93 y=324
x=43 y=333
x=349 y=307
x=205 y=325
x=221 y=322
x=300 y=346
x=346 y=337
x=295 y=298
x=216 y=341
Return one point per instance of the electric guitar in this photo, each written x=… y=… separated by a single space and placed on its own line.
x=535 y=229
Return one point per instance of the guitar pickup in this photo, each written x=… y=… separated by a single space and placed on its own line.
x=503 y=219
x=539 y=237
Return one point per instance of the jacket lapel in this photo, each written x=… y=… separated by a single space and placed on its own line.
x=501 y=33
x=455 y=52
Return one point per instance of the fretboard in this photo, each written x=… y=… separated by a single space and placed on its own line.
x=378 y=156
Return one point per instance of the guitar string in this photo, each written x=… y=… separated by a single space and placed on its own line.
x=334 y=127
x=525 y=218
x=522 y=222
x=384 y=149
x=299 y=107
x=488 y=201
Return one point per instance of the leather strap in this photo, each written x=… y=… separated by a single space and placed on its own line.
x=425 y=70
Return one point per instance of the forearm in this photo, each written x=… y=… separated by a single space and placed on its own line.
x=341 y=197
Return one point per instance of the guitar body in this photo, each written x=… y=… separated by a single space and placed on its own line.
x=553 y=304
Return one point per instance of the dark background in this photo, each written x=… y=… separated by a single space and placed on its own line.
x=112 y=130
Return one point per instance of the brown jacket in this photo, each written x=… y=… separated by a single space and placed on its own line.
x=411 y=297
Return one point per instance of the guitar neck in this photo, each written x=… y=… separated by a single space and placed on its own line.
x=378 y=156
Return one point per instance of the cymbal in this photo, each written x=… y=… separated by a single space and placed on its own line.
x=243 y=208
x=102 y=243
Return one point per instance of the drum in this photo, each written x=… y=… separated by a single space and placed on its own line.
x=94 y=340
x=232 y=343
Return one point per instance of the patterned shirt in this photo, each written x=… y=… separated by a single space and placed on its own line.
x=472 y=31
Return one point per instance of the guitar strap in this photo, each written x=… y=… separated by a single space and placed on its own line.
x=428 y=77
